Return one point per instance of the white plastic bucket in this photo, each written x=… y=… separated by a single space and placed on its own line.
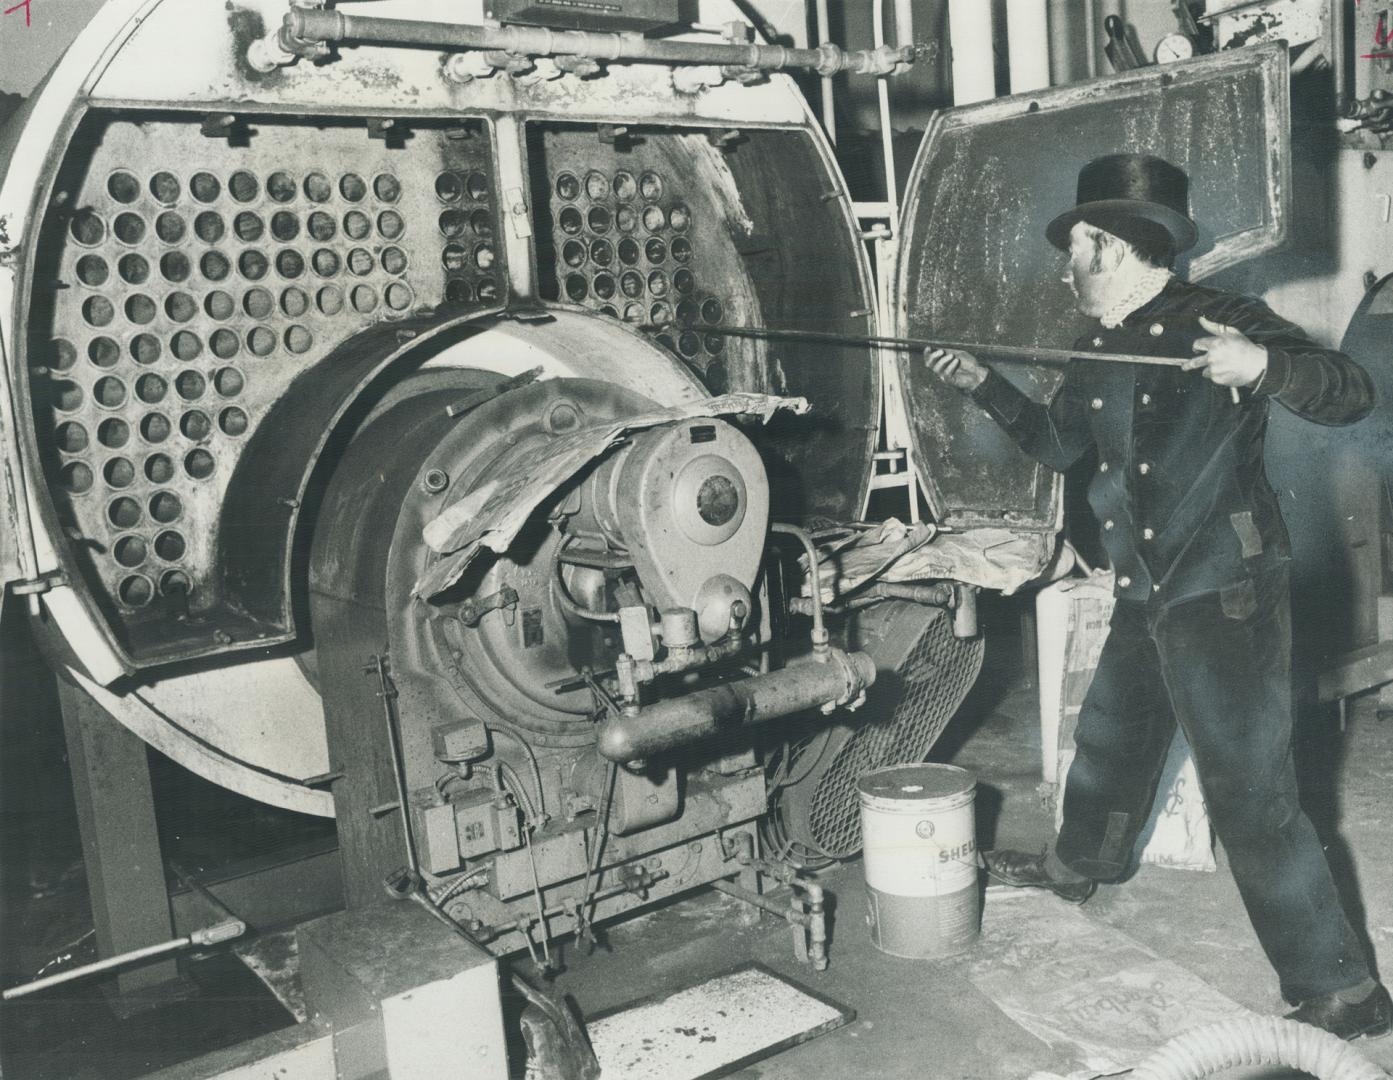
x=920 y=859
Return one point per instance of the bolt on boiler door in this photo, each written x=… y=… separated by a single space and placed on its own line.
x=975 y=265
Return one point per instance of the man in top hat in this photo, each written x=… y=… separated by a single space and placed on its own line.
x=1201 y=631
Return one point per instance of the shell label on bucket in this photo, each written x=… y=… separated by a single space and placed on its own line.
x=919 y=844
x=920 y=859
x=899 y=858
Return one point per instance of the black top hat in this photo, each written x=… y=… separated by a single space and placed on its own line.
x=1130 y=195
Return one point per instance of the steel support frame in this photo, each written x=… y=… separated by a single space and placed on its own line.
x=121 y=847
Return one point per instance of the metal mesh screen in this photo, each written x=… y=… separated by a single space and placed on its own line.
x=919 y=696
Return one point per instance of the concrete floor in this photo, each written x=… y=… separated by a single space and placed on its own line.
x=918 y=1019
x=914 y=1018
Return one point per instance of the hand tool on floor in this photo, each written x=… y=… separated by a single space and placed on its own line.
x=209 y=935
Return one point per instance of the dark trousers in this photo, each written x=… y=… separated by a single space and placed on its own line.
x=1220 y=664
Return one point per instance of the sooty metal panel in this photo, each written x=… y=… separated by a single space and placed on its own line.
x=182 y=284
x=687 y=231
x=976 y=266
x=634 y=228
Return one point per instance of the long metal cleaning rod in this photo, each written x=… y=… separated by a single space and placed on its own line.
x=1024 y=354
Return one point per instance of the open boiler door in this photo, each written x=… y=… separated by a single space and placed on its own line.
x=975 y=265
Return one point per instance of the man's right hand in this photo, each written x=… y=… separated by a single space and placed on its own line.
x=958 y=369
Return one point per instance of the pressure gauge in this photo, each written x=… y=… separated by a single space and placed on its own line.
x=1174 y=47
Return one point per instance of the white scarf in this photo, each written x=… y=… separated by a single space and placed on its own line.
x=1149 y=285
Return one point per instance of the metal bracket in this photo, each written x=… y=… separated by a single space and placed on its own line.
x=38 y=585
x=725 y=139
x=386 y=129
x=471 y=611
x=517 y=212
x=224 y=126
x=615 y=135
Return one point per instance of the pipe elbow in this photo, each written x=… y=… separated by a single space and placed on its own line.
x=615 y=743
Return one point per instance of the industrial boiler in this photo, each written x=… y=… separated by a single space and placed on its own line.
x=452 y=418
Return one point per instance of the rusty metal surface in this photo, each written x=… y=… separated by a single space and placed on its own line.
x=976 y=266
x=209 y=67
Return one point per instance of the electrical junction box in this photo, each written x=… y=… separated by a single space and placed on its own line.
x=482 y=826
x=472 y=826
x=639 y=15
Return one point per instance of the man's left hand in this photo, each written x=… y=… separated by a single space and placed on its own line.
x=1227 y=357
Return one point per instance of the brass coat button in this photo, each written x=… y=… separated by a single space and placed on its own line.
x=1148 y=534
x=1157 y=329
x=1097 y=403
x=1124 y=582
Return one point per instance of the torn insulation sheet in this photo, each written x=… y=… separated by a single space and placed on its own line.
x=998 y=559
x=493 y=514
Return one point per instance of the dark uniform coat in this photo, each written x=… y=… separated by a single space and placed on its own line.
x=1201 y=631
x=1180 y=491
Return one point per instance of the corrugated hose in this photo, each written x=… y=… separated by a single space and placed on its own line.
x=1257 y=1040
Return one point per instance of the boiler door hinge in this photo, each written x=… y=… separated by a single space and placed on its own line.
x=41 y=584
x=517 y=210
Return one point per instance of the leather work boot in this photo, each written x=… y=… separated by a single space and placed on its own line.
x=1023 y=870
x=1372 y=1017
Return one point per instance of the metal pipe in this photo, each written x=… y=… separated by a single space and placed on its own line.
x=829 y=102
x=686 y=658
x=1064 y=40
x=817 y=925
x=940 y=595
x=209 y=935
x=1027 y=43
x=1339 y=69
x=1090 y=36
x=668 y=725
x=388 y=694
x=930 y=595
x=904 y=22
x=518 y=740
x=974 y=68
x=758 y=900
x=307 y=31
x=644 y=879
x=564 y=599
x=815 y=578
x=887 y=133
x=814 y=919
x=964 y=611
